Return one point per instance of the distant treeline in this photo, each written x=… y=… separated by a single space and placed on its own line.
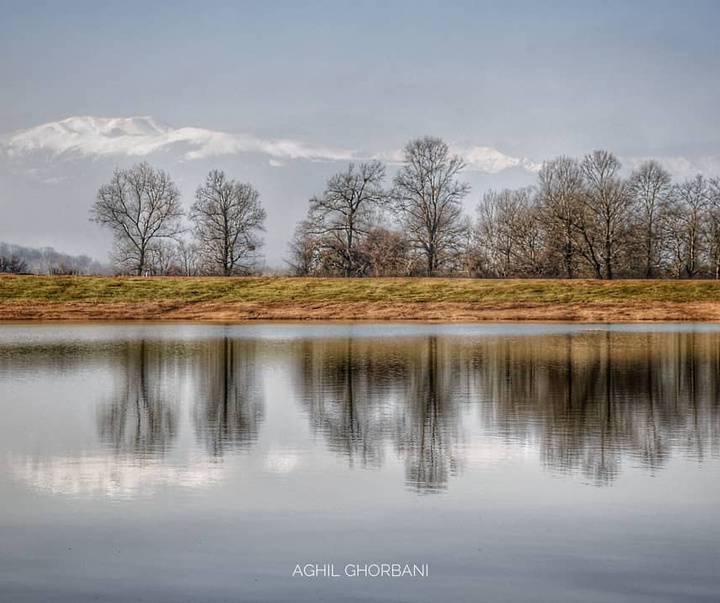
x=15 y=259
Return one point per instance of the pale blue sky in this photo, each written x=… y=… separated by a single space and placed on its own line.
x=533 y=79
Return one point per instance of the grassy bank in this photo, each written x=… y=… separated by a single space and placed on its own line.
x=46 y=297
x=200 y=289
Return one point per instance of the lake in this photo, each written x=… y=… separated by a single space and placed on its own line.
x=360 y=462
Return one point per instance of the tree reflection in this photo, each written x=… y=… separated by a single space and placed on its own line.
x=345 y=389
x=363 y=395
x=139 y=420
x=593 y=398
x=588 y=401
x=229 y=407
x=427 y=429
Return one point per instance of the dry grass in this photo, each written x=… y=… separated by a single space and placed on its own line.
x=240 y=299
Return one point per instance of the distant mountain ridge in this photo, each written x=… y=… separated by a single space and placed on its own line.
x=87 y=136
x=141 y=136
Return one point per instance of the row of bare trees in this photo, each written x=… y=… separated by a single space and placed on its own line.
x=141 y=207
x=347 y=231
x=583 y=218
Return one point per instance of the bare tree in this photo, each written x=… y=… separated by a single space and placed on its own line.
x=429 y=198
x=228 y=219
x=608 y=204
x=303 y=250
x=187 y=258
x=713 y=199
x=141 y=206
x=344 y=212
x=649 y=188
x=13 y=264
x=560 y=198
x=684 y=228
x=387 y=253
x=164 y=258
x=509 y=233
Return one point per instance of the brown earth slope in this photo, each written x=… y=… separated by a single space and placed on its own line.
x=29 y=298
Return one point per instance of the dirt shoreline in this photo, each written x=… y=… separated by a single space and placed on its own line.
x=601 y=311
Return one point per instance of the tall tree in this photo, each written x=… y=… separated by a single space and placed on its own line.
x=141 y=207
x=684 y=228
x=344 y=211
x=649 y=188
x=428 y=197
x=560 y=198
x=713 y=198
x=228 y=219
x=608 y=203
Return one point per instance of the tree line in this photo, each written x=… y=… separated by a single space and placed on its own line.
x=581 y=218
x=16 y=259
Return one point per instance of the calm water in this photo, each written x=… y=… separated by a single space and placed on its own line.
x=205 y=463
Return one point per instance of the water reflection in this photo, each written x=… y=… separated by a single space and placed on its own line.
x=203 y=462
x=361 y=394
x=586 y=400
x=428 y=433
x=591 y=399
x=229 y=406
x=140 y=420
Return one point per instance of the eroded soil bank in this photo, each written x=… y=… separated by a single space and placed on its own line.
x=596 y=311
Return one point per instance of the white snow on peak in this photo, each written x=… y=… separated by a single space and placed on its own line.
x=476 y=158
x=489 y=160
x=679 y=167
x=140 y=136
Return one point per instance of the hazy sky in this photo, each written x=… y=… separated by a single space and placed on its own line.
x=531 y=78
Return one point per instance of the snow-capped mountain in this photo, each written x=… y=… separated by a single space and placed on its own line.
x=681 y=168
x=143 y=136
x=491 y=161
x=477 y=159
